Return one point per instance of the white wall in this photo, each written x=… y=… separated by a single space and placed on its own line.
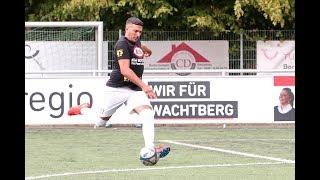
x=47 y=100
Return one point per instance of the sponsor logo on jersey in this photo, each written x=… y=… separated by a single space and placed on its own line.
x=138 y=52
x=119 y=52
x=135 y=61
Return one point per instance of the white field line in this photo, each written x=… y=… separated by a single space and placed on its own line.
x=229 y=151
x=222 y=139
x=150 y=169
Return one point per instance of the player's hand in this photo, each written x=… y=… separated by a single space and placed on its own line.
x=147 y=52
x=150 y=93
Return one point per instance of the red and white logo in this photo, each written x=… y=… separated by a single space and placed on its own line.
x=138 y=52
x=183 y=57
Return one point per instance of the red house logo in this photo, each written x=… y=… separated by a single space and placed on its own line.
x=183 y=57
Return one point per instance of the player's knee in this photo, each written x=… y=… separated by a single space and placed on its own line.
x=105 y=118
x=146 y=113
x=142 y=107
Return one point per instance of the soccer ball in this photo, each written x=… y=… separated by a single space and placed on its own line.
x=148 y=157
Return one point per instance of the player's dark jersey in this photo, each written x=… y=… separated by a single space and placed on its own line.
x=125 y=49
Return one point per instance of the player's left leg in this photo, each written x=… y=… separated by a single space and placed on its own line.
x=141 y=105
x=147 y=118
x=162 y=150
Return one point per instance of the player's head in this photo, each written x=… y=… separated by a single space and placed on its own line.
x=133 y=29
x=286 y=96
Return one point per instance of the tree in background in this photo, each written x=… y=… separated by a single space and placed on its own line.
x=278 y=12
x=213 y=15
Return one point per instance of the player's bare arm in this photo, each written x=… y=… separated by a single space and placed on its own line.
x=127 y=72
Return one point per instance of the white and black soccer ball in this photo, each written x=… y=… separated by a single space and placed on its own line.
x=148 y=157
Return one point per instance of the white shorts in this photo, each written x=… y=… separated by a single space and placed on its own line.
x=115 y=97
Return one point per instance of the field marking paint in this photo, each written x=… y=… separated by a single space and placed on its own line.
x=150 y=169
x=241 y=139
x=229 y=151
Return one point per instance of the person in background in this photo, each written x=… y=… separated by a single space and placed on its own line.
x=285 y=110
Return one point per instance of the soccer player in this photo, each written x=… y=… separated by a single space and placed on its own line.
x=125 y=85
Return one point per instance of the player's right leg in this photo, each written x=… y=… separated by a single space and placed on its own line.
x=101 y=122
x=76 y=110
x=113 y=99
x=85 y=109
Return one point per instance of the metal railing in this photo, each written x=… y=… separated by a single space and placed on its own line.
x=242 y=48
x=199 y=72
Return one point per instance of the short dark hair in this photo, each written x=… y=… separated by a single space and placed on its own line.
x=134 y=20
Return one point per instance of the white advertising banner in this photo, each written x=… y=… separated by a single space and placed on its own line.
x=47 y=100
x=284 y=96
x=276 y=55
x=180 y=100
x=213 y=54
